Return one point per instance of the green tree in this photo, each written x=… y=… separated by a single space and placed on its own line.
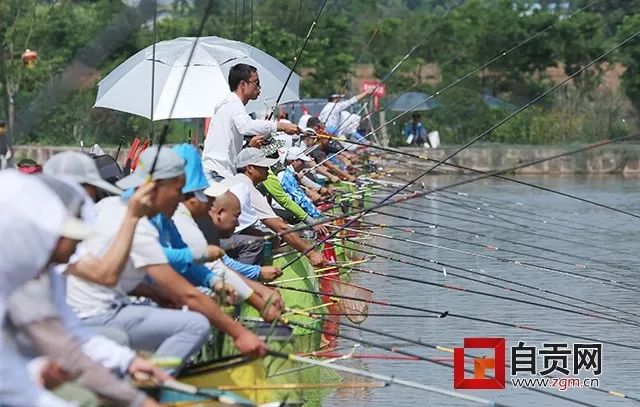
x=630 y=55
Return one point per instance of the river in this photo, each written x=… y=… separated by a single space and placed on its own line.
x=591 y=234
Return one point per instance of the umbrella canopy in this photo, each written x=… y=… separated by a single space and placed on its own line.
x=413 y=102
x=496 y=103
x=128 y=87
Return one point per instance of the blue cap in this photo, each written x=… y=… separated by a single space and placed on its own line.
x=195 y=181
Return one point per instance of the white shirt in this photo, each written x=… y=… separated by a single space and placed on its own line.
x=89 y=299
x=247 y=215
x=258 y=201
x=31 y=215
x=229 y=123
x=194 y=238
x=330 y=113
x=349 y=122
x=45 y=297
x=302 y=123
x=191 y=233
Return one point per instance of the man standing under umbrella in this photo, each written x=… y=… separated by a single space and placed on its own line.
x=230 y=123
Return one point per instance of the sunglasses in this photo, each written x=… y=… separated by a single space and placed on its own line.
x=256 y=83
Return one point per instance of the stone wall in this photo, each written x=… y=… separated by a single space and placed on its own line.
x=42 y=153
x=609 y=159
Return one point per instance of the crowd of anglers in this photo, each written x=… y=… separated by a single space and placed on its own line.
x=95 y=274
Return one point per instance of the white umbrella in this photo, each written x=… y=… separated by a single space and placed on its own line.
x=128 y=87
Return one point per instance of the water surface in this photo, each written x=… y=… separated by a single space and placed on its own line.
x=591 y=234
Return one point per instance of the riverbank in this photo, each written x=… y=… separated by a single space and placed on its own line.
x=609 y=159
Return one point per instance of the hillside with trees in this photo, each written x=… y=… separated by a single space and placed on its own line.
x=49 y=100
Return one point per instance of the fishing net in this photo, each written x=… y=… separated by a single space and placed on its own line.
x=356 y=310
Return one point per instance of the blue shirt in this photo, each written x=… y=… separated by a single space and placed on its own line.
x=178 y=253
x=248 y=270
x=290 y=185
x=418 y=130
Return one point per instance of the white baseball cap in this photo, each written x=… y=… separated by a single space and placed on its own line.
x=73 y=199
x=80 y=168
x=254 y=156
x=168 y=165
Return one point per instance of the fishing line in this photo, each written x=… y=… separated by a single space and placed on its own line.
x=442 y=213
x=165 y=130
x=590 y=312
x=363 y=212
x=153 y=69
x=478 y=69
x=384 y=378
x=517 y=243
x=448 y=314
x=297 y=58
x=439 y=362
x=504 y=260
x=501 y=177
x=486 y=132
x=477 y=205
x=502 y=209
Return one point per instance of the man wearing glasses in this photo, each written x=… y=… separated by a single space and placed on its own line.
x=230 y=122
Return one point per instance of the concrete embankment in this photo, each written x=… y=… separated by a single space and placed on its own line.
x=609 y=159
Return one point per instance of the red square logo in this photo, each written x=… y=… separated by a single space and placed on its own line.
x=480 y=365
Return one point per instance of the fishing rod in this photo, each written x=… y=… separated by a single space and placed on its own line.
x=471 y=72
x=442 y=213
x=385 y=315
x=463 y=199
x=297 y=57
x=447 y=314
x=346 y=82
x=437 y=361
x=508 y=206
x=414 y=355
x=609 y=264
x=475 y=206
x=153 y=71
x=502 y=209
x=357 y=214
x=165 y=130
x=466 y=208
x=498 y=176
x=589 y=312
x=398 y=64
x=475 y=254
x=476 y=234
x=384 y=378
x=501 y=259
x=465 y=76
x=484 y=133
